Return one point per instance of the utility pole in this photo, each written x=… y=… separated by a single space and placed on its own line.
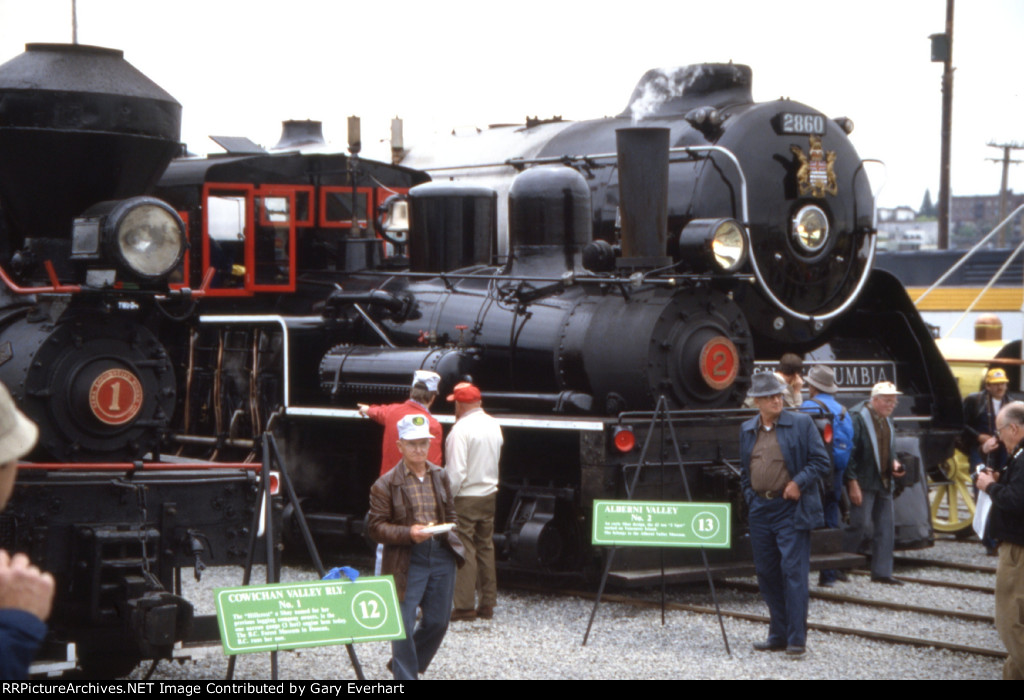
x=1003 y=191
x=942 y=52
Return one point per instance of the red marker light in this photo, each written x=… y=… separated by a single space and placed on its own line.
x=624 y=439
x=826 y=434
x=275 y=483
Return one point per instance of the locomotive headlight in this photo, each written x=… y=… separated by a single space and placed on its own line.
x=810 y=229
x=142 y=236
x=713 y=244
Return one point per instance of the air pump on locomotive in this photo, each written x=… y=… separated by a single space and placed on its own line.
x=261 y=288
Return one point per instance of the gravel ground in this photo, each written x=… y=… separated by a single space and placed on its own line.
x=538 y=636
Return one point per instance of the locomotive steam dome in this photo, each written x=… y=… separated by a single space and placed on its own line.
x=78 y=125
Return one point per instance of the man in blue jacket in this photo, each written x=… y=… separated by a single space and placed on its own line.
x=783 y=459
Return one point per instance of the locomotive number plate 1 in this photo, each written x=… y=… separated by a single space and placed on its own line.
x=661 y=524
x=295 y=615
x=115 y=396
x=794 y=123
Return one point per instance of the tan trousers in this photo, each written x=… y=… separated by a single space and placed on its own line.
x=1010 y=608
x=476 y=530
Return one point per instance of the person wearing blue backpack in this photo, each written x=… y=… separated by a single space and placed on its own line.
x=821 y=386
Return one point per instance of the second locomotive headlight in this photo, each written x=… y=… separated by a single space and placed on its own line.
x=810 y=229
x=142 y=237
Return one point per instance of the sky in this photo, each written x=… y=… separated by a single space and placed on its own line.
x=240 y=67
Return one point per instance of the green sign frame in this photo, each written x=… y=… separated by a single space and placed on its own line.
x=272 y=617
x=662 y=524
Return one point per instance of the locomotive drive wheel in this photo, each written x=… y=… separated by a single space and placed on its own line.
x=951 y=499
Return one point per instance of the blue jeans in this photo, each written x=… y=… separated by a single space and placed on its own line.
x=782 y=557
x=430 y=587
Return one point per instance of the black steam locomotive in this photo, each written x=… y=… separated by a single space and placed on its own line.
x=153 y=314
x=668 y=262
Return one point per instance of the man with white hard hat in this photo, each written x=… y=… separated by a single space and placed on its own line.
x=412 y=513
x=26 y=593
x=871 y=478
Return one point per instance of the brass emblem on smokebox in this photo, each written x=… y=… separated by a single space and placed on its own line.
x=816 y=174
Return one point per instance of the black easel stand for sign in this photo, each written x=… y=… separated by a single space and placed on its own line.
x=271 y=459
x=661 y=419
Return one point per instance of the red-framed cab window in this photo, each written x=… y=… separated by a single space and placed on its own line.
x=227 y=237
x=273 y=240
x=249 y=237
x=337 y=203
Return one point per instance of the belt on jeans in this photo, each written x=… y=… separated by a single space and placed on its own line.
x=768 y=494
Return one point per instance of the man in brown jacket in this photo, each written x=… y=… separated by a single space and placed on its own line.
x=406 y=507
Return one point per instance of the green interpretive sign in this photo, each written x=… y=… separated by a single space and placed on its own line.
x=662 y=524
x=294 y=615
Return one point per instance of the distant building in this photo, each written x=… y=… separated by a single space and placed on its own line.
x=973 y=216
x=895 y=214
x=898 y=231
x=978 y=208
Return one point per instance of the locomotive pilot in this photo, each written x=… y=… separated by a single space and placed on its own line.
x=783 y=459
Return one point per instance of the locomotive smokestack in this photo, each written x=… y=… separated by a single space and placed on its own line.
x=78 y=125
x=643 y=195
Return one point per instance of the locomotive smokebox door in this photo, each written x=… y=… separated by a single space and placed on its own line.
x=98 y=387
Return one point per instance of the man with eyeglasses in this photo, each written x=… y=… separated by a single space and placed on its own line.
x=412 y=513
x=871 y=478
x=1006 y=524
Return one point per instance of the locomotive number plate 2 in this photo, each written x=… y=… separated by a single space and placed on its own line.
x=115 y=396
x=719 y=362
x=793 y=123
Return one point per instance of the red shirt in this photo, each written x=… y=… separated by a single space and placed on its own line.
x=388 y=415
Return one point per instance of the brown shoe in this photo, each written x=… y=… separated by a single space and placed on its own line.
x=463 y=615
x=485 y=612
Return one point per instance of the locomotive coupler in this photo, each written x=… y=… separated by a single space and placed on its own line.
x=198 y=544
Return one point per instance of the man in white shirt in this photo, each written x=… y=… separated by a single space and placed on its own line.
x=473 y=448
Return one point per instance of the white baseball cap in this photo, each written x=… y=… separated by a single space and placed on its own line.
x=426 y=377
x=414 y=426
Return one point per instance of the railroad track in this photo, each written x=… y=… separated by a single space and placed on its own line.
x=870 y=603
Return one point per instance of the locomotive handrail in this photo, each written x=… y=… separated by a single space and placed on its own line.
x=55 y=286
x=592 y=278
x=566 y=159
